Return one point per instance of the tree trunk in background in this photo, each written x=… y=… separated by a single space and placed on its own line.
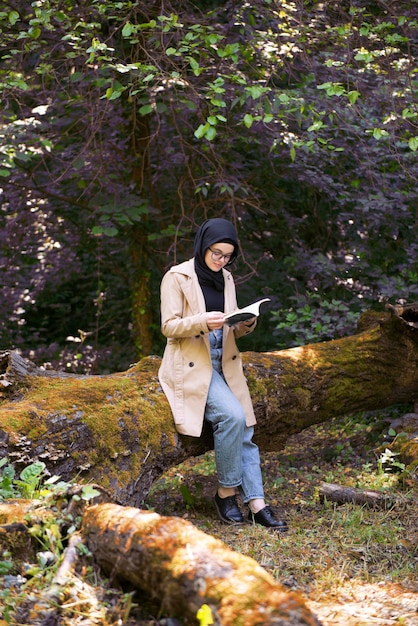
x=118 y=431
x=140 y=135
x=142 y=320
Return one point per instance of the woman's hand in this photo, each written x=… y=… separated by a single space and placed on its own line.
x=215 y=320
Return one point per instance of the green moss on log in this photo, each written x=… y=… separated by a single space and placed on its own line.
x=123 y=415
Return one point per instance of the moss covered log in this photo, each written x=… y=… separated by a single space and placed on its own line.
x=175 y=564
x=117 y=430
x=184 y=569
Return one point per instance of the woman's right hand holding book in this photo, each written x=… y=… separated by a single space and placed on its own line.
x=215 y=320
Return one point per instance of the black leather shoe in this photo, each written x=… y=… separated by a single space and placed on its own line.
x=227 y=509
x=265 y=517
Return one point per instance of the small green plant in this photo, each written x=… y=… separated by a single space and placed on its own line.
x=7 y=489
x=387 y=462
x=87 y=493
x=5 y=567
x=26 y=485
x=30 y=479
x=33 y=483
x=191 y=499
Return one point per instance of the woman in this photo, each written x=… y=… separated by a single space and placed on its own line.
x=201 y=371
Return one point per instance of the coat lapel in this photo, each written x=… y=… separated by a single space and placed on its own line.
x=192 y=290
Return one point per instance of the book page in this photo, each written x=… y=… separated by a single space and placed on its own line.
x=241 y=315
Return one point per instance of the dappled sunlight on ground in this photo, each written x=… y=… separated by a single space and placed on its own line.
x=365 y=604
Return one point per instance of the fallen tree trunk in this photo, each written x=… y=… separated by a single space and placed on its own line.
x=117 y=430
x=184 y=569
x=363 y=497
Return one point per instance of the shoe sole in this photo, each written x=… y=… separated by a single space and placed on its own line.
x=276 y=529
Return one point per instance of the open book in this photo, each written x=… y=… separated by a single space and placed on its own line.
x=240 y=315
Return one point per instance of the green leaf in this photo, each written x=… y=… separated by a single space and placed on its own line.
x=114 y=92
x=197 y=70
x=353 y=96
x=379 y=133
x=13 y=17
x=210 y=133
x=33 y=471
x=218 y=103
x=127 y=30
x=248 y=120
x=146 y=25
x=364 y=55
x=5 y=567
x=315 y=126
x=88 y=493
x=200 y=132
x=35 y=32
x=255 y=91
x=324 y=86
x=187 y=495
x=413 y=144
x=147 y=108
x=109 y=231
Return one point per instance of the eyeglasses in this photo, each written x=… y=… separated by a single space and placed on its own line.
x=218 y=256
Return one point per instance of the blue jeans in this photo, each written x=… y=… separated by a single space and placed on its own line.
x=237 y=457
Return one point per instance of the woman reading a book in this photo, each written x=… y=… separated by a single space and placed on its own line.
x=201 y=371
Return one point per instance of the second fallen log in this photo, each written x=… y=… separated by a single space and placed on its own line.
x=363 y=497
x=184 y=568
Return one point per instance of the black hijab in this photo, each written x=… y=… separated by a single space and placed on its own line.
x=213 y=231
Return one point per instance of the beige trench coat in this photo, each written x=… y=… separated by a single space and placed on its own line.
x=186 y=368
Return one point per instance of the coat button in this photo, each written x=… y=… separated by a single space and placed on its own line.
x=234 y=357
x=191 y=364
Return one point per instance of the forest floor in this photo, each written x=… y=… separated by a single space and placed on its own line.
x=355 y=566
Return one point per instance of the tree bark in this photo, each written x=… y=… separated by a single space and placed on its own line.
x=118 y=431
x=184 y=569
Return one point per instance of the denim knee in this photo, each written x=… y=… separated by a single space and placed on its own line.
x=233 y=419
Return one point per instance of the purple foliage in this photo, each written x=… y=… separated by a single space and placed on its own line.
x=337 y=221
